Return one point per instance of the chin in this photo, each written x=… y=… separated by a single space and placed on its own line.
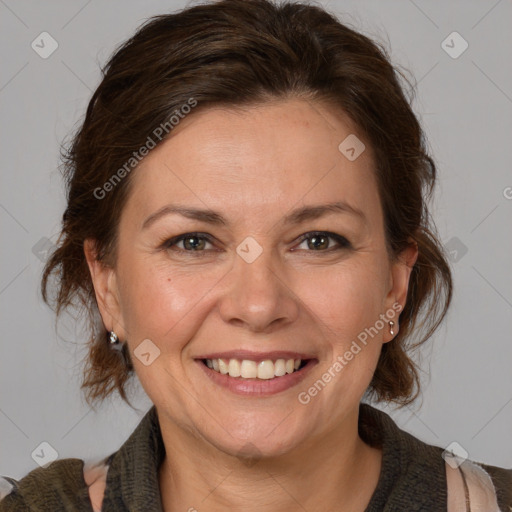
x=267 y=442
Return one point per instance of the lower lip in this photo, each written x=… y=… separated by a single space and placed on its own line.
x=258 y=387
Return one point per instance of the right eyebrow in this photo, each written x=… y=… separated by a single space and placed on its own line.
x=207 y=216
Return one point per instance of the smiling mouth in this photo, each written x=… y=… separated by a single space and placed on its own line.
x=263 y=370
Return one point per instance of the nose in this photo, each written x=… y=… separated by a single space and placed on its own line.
x=258 y=295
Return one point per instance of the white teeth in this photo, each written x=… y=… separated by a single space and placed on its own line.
x=248 y=369
x=280 y=368
x=266 y=369
x=223 y=367
x=234 y=368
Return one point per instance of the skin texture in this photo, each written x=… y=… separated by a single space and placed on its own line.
x=254 y=166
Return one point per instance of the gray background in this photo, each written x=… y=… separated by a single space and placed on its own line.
x=465 y=104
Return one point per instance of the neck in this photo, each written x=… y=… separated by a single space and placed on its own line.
x=335 y=471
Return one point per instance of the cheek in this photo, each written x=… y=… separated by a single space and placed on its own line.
x=347 y=303
x=347 y=298
x=156 y=298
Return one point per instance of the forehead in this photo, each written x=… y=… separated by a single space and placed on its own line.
x=257 y=160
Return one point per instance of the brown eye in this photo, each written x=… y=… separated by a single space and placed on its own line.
x=321 y=241
x=191 y=242
x=194 y=242
x=318 y=242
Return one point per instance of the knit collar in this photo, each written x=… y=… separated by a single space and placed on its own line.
x=132 y=479
x=412 y=476
x=409 y=466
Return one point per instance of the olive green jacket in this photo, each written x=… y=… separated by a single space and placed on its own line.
x=413 y=476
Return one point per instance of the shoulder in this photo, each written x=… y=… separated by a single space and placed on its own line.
x=65 y=484
x=501 y=479
x=483 y=486
x=414 y=467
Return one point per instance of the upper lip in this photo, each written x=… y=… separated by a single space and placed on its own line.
x=256 y=356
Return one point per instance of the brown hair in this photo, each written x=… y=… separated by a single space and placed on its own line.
x=235 y=53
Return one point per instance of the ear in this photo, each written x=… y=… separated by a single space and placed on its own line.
x=401 y=270
x=105 y=288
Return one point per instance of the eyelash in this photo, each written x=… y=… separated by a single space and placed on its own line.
x=342 y=242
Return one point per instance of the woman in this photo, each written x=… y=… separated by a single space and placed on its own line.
x=247 y=214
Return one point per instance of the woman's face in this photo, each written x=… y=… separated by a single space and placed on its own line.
x=246 y=286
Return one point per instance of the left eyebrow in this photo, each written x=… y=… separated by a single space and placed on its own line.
x=312 y=212
x=297 y=216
